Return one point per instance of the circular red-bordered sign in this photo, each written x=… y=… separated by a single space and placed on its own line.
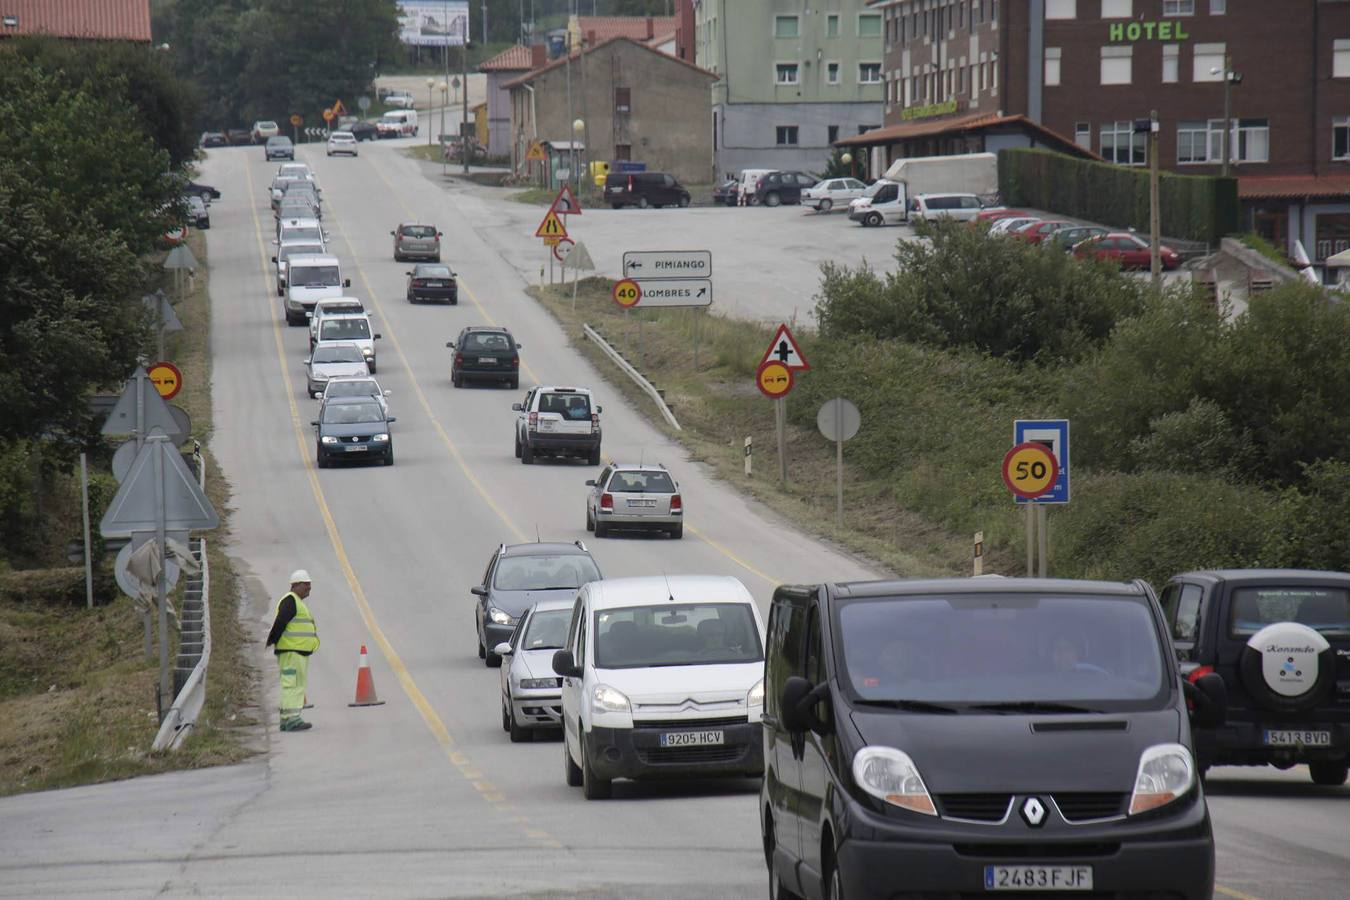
x=166 y=378
x=774 y=379
x=1030 y=470
x=627 y=293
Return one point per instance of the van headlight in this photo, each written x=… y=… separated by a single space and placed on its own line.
x=890 y=775
x=756 y=695
x=604 y=699
x=1166 y=773
x=380 y=438
x=368 y=351
x=328 y=439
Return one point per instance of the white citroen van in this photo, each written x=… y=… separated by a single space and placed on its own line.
x=310 y=279
x=662 y=676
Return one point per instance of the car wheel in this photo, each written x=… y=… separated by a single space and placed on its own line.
x=527 y=454
x=458 y=381
x=389 y=456
x=593 y=787
x=617 y=205
x=684 y=201
x=825 y=205
x=571 y=771
x=371 y=365
x=518 y=735
x=438 y=258
x=594 y=458
x=517 y=446
x=506 y=717
x=677 y=531
x=834 y=883
x=642 y=203
x=482 y=650
x=590 y=520
x=1328 y=774
x=601 y=529
x=320 y=460
x=772 y=199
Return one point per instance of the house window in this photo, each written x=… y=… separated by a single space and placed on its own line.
x=1171 y=63
x=961 y=16
x=623 y=151
x=832 y=25
x=1122 y=146
x=832 y=73
x=1252 y=141
x=1178 y=7
x=1207 y=57
x=869 y=25
x=1340 y=58
x=1082 y=134
x=1340 y=138
x=1061 y=9
x=831 y=134
x=623 y=100
x=1052 y=55
x=1192 y=143
x=785 y=26
x=869 y=73
x=787 y=135
x=1218 y=7
x=1117 y=65
x=1202 y=142
x=1117 y=9
x=785 y=73
x=993 y=68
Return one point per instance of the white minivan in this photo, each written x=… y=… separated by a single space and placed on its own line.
x=310 y=279
x=662 y=676
x=397 y=123
x=884 y=203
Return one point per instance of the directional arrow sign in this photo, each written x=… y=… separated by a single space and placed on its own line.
x=648 y=264
x=141 y=505
x=682 y=292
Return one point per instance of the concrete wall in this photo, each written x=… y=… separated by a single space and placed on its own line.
x=747 y=133
x=499 y=112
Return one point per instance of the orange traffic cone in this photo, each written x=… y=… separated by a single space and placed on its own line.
x=365 y=684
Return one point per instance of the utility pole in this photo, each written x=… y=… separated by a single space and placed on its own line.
x=464 y=74
x=567 y=48
x=1227 y=109
x=484 y=22
x=1154 y=215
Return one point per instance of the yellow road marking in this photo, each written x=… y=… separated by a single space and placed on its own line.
x=1236 y=895
x=396 y=665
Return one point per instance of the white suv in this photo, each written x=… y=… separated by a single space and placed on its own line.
x=662 y=676
x=559 y=420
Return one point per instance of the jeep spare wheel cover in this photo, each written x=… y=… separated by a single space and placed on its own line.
x=1288 y=666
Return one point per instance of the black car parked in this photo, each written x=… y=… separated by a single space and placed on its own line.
x=486 y=354
x=956 y=737
x=352 y=428
x=727 y=193
x=777 y=188
x=1280 y=640
x=432 y=281
x=643 y=190
x=205 y=191
x=364 y=131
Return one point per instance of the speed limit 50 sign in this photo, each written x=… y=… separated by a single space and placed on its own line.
x=1030 y=470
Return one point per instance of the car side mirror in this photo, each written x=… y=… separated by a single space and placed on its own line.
x=391 y=420
x=376 y=337
x=391 y=232
x=275 y=241
x=599 y=410
x=309 y=314
x=518 y=346
x=502 y=649
x=346 y=282
x=306 y=360
x=274 y=259
x=565 y=665
x=1209 y=700
x=797 y=706
x=388 y=393
x=517 y=407
x=315 y=423
x=479 y=591
x=590 y=482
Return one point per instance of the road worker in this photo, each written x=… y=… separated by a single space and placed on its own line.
x=295 y=637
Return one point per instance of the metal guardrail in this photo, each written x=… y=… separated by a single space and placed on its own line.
x=648 y=388
x=194 y=654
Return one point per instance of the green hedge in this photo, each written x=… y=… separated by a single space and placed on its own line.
x=1194 y=207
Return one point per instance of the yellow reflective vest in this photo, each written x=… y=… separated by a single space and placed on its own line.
x=300 y=633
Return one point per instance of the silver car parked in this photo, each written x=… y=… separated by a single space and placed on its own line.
x=634 y=496
x=531 y=690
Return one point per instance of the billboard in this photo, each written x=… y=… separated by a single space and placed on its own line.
x=433 y=23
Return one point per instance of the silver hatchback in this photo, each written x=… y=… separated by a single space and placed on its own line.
x=416 y=242
x=531 y=690
x=634 y=496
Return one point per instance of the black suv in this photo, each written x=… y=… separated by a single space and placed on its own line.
x=1280 y=639
x=783 y=187
x=485 y=353
x=643 y=190
x=955 y=737
x=517 y=577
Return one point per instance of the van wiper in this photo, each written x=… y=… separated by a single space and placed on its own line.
x=910 y=705
x=1031 y=706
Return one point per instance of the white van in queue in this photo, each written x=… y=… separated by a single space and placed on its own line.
x=662 y=676
x=397 y=123
x=310 y=279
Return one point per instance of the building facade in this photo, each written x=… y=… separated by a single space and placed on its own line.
x=793 y=77
x=636 y=104
x=510 y=64
x=1087 y=69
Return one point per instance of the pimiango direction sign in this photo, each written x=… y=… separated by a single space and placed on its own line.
x=670 y=277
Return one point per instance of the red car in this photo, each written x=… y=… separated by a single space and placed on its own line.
x=1130 y=250
x=1039 y=231
x=989 y=215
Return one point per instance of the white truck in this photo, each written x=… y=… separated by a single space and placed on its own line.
x=887 y=201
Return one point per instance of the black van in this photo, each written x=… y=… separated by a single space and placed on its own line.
x=644 y=189
x=969 y=736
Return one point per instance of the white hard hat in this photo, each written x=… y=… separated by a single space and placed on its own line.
x=299 y=576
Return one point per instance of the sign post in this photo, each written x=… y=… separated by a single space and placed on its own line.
x=838 y=420
x=578 y=260
x=1036 y=471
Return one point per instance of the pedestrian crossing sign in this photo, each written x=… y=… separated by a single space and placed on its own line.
x=552 y=228
x=536 y=153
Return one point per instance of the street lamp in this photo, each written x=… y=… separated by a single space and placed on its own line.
x=431 y=83
x=578 y=126
x=847 y=159
x=1230 y=78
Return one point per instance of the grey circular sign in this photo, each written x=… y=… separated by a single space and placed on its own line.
x=122 y=459
x=363 y=103
x=838 y=419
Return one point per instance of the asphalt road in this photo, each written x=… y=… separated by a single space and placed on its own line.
x=424 y=796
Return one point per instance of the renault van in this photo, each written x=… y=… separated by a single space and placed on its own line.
x=310 y=279
x=963 y=737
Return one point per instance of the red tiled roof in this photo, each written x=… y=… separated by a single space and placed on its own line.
x=123 y=20
x=576 y=54
x=639 y=28
x=1292 y=187
x=512 y=59
x=892 y=134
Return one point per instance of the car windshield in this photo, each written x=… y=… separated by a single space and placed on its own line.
x=363 y=388
x=419 y=231
x=576 y=407
x=341 y=136
x=302 y=233
x=487 y=340
x=547 y=630
x=544 y=573
x=279 y=141
x=348 y=354
x=352 y=413
x=344 y=329
x=433 y=271
x=298 y=250
x=1098 y=651
x=676 y=635
x=1323 y=609
x=315 y=276
x=391 y=120
x=641 y=482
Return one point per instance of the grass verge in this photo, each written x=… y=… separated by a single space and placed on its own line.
x=76 y=694
x=712 y=393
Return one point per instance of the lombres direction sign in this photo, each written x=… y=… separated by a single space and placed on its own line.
x=648 y=264
x=684 y=292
